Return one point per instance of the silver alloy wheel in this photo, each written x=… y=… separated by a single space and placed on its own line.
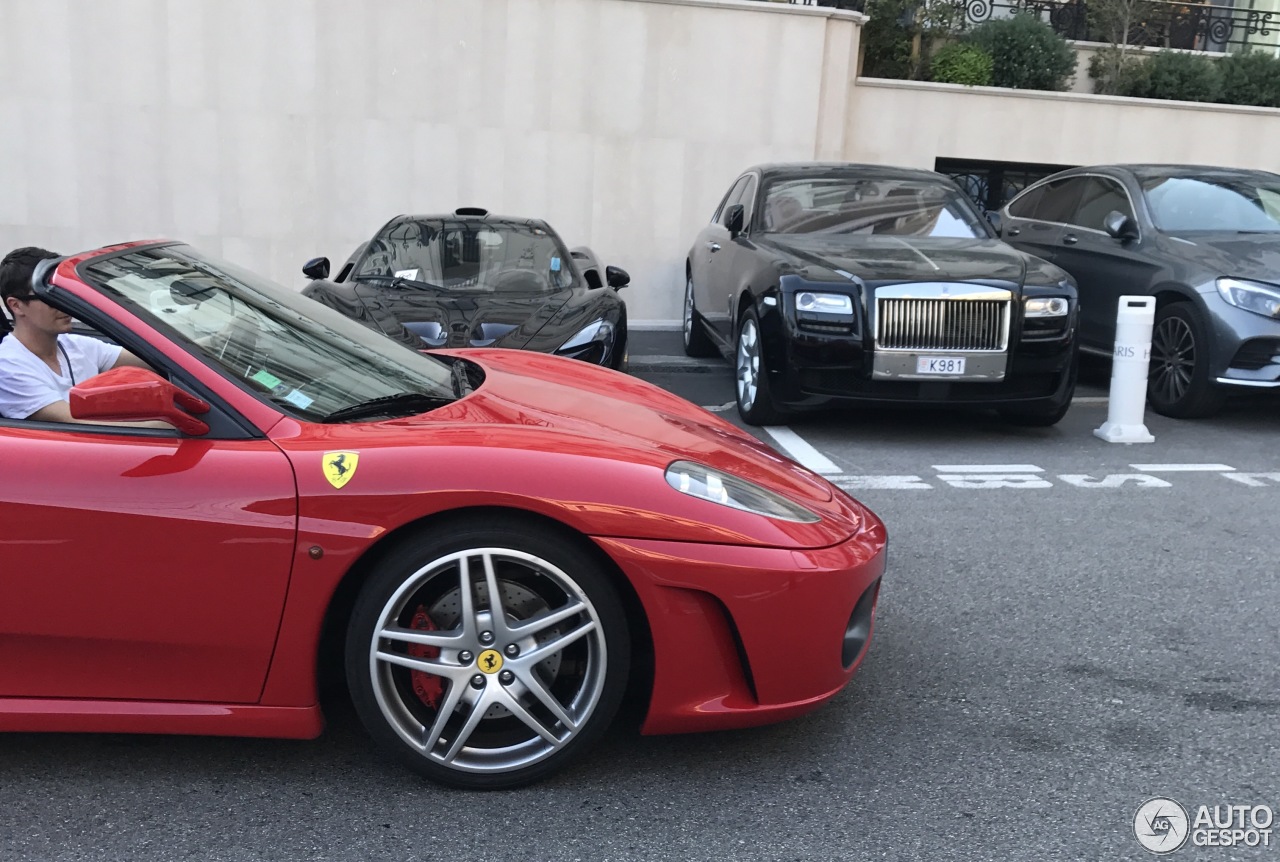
x=688 y=310
x=489 y=721
x=748 y=364
x=1173 y=358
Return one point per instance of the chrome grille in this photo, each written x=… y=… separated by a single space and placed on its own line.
x=942 y=324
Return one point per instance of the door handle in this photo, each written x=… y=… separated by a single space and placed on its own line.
x=1070 y=239
x=714 y=246
x=1014 y=231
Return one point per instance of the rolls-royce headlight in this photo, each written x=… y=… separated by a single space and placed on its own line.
x=1047 y=306
x=716 y=486
x=598 y=330
x=1252 y=296
x=823 y=303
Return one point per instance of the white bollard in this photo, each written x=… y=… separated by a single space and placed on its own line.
x=1129 y=364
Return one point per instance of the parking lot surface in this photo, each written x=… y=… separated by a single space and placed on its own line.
x=1067 y=628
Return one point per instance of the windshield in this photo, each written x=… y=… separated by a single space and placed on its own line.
x=850 y=205
x=1181 y=204
x=305 y=358
x=469 y=256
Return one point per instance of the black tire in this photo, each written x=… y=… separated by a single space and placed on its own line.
x=696 y=341
x=751 y=386
x=431 y=647
x=1178 y=383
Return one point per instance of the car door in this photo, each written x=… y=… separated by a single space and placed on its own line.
x=737 y=257
x=1105 y=268
x=705 y=261
x=1035 y=218
x=140 y=565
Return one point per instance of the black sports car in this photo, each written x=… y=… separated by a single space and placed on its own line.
x=826 y=283
x=471 y=279
x=1204 y=241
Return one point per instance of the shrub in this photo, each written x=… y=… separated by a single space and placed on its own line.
x=959 y=63
x=886 y=42
x=1250 y=79
x=1188 y=77
x=1026 y=54
x=1117 y=72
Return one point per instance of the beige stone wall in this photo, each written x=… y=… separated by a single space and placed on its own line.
x=269 y=131
x=912 y=123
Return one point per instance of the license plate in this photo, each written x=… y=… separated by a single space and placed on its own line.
x=940 y=365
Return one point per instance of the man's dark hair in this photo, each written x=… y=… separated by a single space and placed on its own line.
x=17 y=267
x=15 y=278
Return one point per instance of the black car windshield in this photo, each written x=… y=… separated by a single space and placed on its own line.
x=1184 y=204
x=851 y=205
x=469 y=256
x=305 y=358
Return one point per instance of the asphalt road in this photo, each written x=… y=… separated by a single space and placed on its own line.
x=1050 y=653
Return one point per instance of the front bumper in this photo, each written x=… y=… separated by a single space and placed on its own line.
x=746 y=636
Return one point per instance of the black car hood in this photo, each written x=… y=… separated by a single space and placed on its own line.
x=1242 y=255
x=891 y=258
x=458 y=318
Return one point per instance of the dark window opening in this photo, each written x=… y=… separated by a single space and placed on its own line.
x=991 y=185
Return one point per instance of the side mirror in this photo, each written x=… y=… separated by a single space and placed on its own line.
x=733 y=220
x=616 y=276
x=129 y=394
x=1120 y=226
x=316 y=269
x=997 y=222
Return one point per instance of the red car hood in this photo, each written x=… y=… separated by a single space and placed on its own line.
x=641 y=422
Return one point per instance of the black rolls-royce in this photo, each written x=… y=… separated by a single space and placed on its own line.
x=474 y=279
x=830 y=283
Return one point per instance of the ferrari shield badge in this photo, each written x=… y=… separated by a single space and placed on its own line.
x=339 y=467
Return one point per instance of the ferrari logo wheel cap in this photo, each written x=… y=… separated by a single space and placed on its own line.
x=339 y=467
x=490 y=661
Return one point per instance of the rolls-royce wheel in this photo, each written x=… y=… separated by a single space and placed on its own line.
x=755 y=404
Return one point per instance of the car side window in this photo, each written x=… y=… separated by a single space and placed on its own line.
x=1101 y=197
x=731 y=198
x=1025 y=206
x=1059 y=201
x=748 y=199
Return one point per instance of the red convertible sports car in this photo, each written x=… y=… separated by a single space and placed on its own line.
x=497 y=542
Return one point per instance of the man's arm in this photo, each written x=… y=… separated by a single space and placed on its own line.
x=128 y=359
x=60 y=411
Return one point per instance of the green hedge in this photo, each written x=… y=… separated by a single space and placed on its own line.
x=1026 y=54
x=961 y=63
x=1185 y=77
x=1250 y=79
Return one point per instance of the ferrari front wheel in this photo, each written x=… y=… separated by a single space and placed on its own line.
x=487 y=657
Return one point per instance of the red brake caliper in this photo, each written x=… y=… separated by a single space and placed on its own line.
x=427 y=686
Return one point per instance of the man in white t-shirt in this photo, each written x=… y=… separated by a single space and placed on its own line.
x=40 y=360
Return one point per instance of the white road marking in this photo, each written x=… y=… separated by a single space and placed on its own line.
x=800 y=450
x=886 y=483
x=1182 y=468
x=987 y=481
x=719 y=408
x=987 y=468
x=1253 y=480
x=1090 y=399
x=1115 y=480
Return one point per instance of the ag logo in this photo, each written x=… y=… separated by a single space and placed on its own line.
x=490 y=661
x=1161 y=825
x=339 y=467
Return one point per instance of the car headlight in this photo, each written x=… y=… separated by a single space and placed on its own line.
x=597 y=330
x=716 y=486
x=1047 y=306
x=823 y=303
x=1252 y=296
